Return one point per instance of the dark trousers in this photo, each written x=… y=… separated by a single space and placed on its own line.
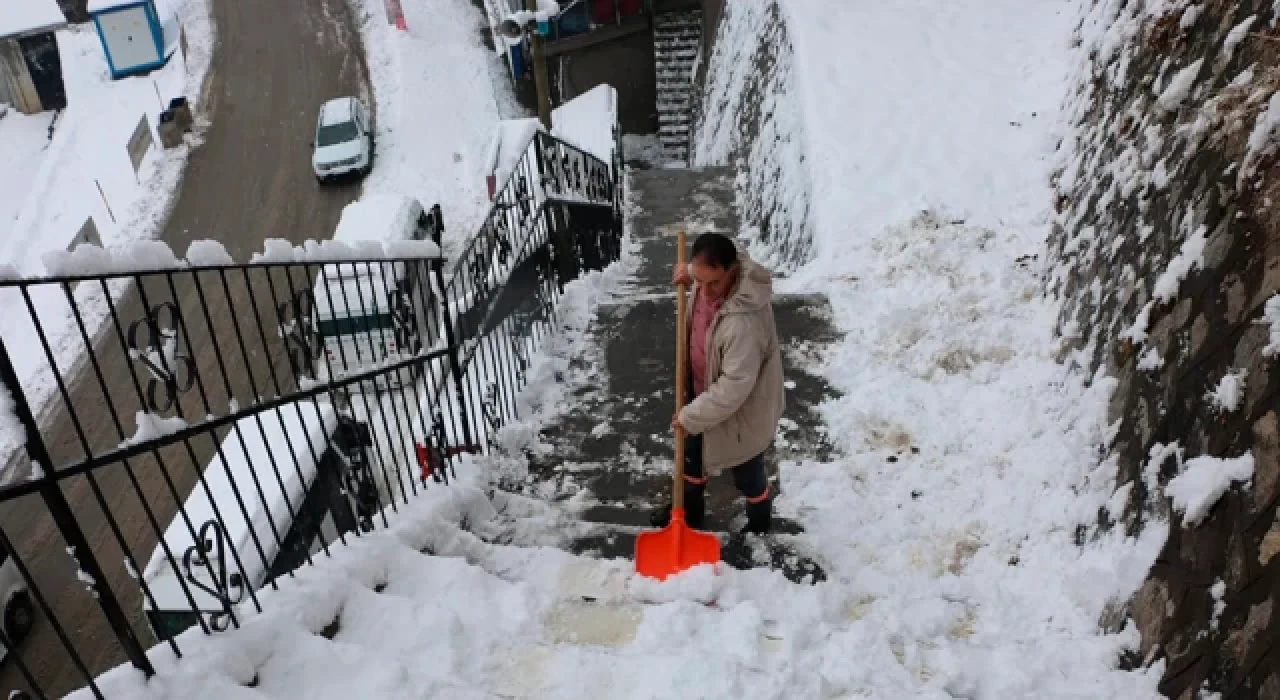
x=749 y=477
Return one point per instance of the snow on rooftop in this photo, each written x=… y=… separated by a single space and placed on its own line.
x=587 y=121
x=336 y=111
x=96 y=6
x=22 y=16
x=284 y=434
x=378 y=217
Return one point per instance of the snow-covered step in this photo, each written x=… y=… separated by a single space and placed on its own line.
x=677 y=39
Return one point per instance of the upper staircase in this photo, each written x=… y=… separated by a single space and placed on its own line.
x=677 y=38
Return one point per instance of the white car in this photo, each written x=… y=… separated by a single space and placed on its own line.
x=19 y=611
x=344 y=140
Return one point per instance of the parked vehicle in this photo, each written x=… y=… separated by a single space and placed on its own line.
x=372 y=313
x=344 y=140
x=19 y=610
x=294 y=484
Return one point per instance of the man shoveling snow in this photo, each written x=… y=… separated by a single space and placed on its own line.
x=735 y=371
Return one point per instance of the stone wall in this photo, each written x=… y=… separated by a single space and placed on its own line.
x=1166 y=254
x=745 y=117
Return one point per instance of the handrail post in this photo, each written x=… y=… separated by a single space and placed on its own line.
x=455 y=366
x=60 y=510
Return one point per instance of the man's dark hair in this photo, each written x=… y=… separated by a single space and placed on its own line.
x=715 y=249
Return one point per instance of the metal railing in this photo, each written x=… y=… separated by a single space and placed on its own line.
x=210 y=429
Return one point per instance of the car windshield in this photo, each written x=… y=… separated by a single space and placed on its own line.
x=372 y=324
x=336 y=133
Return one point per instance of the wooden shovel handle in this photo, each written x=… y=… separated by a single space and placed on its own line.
x=682 y=350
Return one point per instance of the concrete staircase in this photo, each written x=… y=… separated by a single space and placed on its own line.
x=604 y=463
x=677 y=37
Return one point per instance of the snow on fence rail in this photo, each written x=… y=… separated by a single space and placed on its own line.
x=212 y=426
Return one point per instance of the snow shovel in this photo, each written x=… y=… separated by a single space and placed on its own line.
x=677 y=546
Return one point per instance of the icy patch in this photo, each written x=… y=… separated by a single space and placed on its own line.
x=1203 y=482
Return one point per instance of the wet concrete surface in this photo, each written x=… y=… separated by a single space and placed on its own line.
x=251 y=179
x=610 y=462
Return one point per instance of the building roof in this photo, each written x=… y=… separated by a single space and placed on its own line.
x=96 y=6
x=19 y=17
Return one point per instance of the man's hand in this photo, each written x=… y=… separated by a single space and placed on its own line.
x=680 y=275
x=675 y=423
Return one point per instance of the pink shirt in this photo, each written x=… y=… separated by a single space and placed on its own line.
x=704 y=312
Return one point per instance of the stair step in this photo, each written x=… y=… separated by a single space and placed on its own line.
x=666 y=21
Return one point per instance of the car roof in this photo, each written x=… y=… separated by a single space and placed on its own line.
x=337 y=111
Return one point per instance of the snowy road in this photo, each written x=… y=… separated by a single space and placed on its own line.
x=250 y=180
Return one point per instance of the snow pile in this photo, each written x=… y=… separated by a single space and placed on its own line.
x=972 y=462
x=438 y=93
x=1203 y=481
x=922 y=105
x=88 y=259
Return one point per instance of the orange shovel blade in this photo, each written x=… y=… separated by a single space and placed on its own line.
x=675 y=548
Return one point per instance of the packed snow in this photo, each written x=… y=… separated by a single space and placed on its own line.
x=1202 y=483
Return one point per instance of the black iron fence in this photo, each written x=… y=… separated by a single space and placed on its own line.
x=192 y=434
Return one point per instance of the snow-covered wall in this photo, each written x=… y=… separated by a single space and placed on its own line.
x=1166 y=256
x=748 y=117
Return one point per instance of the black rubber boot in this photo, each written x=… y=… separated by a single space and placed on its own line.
x=695 y=509
x=759 y=517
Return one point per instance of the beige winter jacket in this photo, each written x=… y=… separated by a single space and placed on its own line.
x=738 y=413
